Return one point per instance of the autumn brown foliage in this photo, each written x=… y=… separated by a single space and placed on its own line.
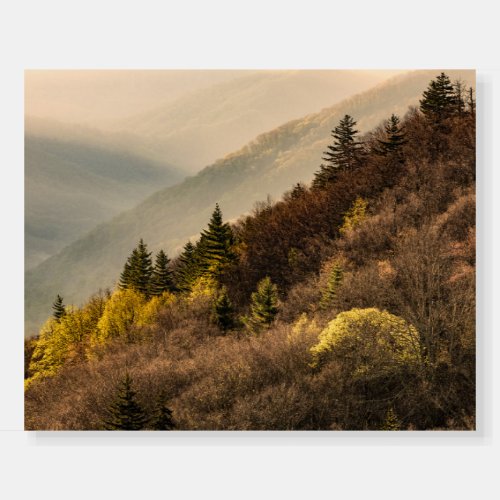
x=413 y=255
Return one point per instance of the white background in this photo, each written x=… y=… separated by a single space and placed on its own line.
x=250 y=34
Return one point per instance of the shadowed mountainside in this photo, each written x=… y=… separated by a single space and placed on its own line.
x=72 y=186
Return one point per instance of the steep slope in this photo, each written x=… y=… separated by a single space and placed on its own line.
x=72 y=186
x=206 y=124
x=269 y=165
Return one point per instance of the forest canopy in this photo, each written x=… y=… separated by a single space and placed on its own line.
x=349 y=304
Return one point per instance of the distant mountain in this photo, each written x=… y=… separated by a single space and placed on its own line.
x=206 y=124
x=270 y=164
x=71 y=187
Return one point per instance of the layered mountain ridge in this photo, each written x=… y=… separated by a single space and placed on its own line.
x=167 y=219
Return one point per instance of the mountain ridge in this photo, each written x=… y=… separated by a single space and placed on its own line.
x=171 y=216
x=71 y=186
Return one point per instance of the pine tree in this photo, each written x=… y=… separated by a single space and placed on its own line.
x=187 y=268
x=458 y=95
x=144 y=270
x=223 y=312
x=391 y=146
x=162 y=419
x=58 y=308
x=391 y=422
x=138 y=270
x=215 y=244
x=333 y=284
x=355 y=215
x=125 y=412
x=298 y=191
x=344 y=154
x=264 y=305
x=471 y=102
x=126 y=275
x=162 y=277
x=438 y=102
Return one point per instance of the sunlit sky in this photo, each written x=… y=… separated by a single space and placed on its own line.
x=94 y=97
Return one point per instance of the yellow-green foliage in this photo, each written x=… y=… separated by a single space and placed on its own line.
x=151 y=308
x=62 y=339
x=391 y=422
x=367 y=340
x=355 y=215
x=203 y=288
x=123 y=311
x=102 y=318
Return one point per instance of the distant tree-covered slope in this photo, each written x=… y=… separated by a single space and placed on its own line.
x=203 y=123
x=206 y=124
x=72 y=186
x=268 y=165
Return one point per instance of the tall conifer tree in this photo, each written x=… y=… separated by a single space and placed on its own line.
x=58 y=308
x=125 y=412
x=138 y=270
x=344 y=154
x=394 y=139
x=187 y=268
x=162 y=419
x=471 y=101
x=459 y=97
x=264 y=305
x=162 y=277
x=438 y=101
x=215 y=244
x=332 y=287
x=223 y=312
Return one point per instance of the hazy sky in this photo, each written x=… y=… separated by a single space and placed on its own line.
x=93 y=97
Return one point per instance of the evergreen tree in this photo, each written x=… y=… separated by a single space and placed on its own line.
x=344 y=154
x=355 y=215
x=390 y=147
x=438 y=102
x=187 y=268
x=298 y=191
x=162 y=419
x=264 y=305
x=215 y=244
x=459 y=97
x=125 y=412
x=162 y=278
x=138 y=270
x=223 y=312
x=144 y=269
x=126 y=275
x=333 y=284
x=391 y=422
x=58 y=308
x=471 y=102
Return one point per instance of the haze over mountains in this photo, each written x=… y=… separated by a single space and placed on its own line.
x=85 y=162
x=72 y=186
x=212 y=114
x=95 y=97
x=270 y=164
x=206 y=124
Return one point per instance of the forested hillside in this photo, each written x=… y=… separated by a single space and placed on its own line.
x=267 y=166
x=349 y=304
